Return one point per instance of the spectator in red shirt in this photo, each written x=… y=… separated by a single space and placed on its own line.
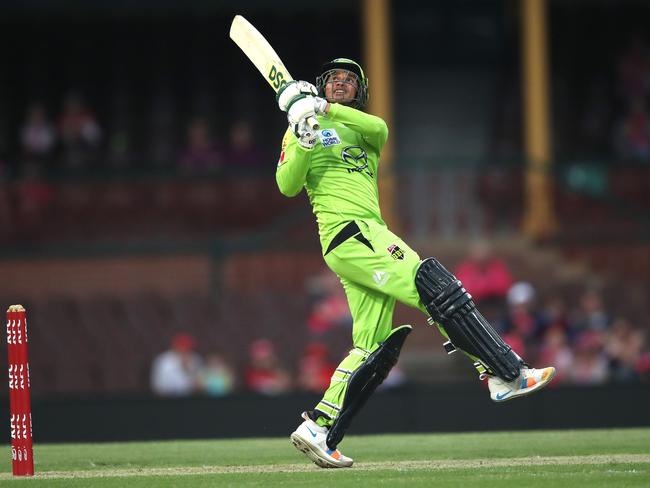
x=330 y=309
x=316 y=369
x=555 y=350
x=265 y=374
x=484 y=275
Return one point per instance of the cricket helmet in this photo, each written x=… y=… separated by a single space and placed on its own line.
x=360 y=99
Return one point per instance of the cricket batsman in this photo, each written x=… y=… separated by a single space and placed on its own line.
x=337 y=164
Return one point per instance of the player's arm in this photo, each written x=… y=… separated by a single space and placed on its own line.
x=299 y=103
x=292 y=166
x=297 y=100
x=373 y=129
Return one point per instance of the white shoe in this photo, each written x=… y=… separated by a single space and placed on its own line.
x=529 y=381
x=309 y=438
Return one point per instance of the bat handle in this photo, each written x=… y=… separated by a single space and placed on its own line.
x=313 y=123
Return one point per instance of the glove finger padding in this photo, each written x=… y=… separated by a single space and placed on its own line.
x=304 y=134
x=292 y=91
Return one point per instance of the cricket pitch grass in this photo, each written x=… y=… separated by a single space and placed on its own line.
x=566 y=458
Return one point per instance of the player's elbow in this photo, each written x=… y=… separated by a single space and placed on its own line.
x=287 y=189
x=382 y=131
x=377 y=129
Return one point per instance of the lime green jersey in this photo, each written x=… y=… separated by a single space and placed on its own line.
x=340 y=172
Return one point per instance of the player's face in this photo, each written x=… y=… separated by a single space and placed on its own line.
x=341 y=86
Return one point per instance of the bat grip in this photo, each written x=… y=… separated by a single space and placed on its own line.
x=313 y=123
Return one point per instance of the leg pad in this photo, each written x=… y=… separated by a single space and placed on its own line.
x=365 y=380
x=452 y=307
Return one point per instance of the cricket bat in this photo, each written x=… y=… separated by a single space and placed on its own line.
x=263 y=56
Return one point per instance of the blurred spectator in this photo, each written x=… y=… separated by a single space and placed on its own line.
x=522 y=321
x=243 y=153
x=596 y=118
x=485 y=276
x=33 y=196
x=79 y=132
x=330 y=308
x=643 y=367
x=37 y=136
x=264 y=374
x=316 y=369
x=590 y=366
x=555 y=351
x=201 y=153
x=216 y=376
x=634 y=69
x=176 y=372
x=624 y=348
x=554 y=313
x=519 y=343
x=633 y=132
x=591 y=314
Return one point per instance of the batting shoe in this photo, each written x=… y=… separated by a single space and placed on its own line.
x=529 y=381
x=309 y=438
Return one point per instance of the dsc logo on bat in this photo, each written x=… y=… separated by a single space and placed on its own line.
x=276 y=77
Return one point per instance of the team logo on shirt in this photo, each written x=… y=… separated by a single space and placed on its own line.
x=396 y=252
x=329 y=137
x=356 y=160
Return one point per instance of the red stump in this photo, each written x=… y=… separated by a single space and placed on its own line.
x=19 y=393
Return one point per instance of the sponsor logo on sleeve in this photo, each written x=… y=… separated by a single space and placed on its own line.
x=329 y=137
x=284 y=147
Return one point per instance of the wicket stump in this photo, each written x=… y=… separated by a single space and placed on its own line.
x=19 y=393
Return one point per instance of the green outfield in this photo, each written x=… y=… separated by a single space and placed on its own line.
x=594 y=458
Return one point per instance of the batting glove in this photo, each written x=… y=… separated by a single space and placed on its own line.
x=304 y=134
x=293 y=91
x=306 y=107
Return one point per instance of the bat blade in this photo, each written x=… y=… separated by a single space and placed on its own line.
x=263 y=56
x=260 y=52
